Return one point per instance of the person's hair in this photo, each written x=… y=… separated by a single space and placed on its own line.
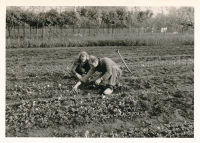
x=83 y=53
x=92 y=59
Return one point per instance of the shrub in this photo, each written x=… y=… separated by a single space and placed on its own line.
x=130 y=40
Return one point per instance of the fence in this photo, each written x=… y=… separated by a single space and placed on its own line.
x=56 y=32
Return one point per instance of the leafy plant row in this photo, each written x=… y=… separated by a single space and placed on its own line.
x=141 y=62
x=171 y=68
x=160 y=69
x=171 y=130
x=137 y=51
x=31 y=90
x=162 y=83
x=74 y=112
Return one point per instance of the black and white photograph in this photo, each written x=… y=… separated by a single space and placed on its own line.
x=99 y=71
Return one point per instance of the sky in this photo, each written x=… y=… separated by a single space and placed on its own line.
x=155 y=9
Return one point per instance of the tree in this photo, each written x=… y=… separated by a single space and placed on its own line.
x=113 y=20
x=160 y=21
x=61 y=21
x=122 y=16
x=105 y=18
x=31 y=20
x=83 y=12
x=173 y=18
x=9 y=21
x=186 y=18
x=51 y=17
x=73 y=19
x=94 y=18
x=108 y=17
x=181 y=19
x=13 y=18
x=144 y=16
x=25 y=22
x=42 y=22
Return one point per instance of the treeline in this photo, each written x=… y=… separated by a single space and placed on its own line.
x=96 y=19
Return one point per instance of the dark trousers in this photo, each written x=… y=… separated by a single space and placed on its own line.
x=80 y=70
x=83 y=70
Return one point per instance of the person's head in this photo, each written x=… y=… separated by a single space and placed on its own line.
x=93 y=61
x=83 y=56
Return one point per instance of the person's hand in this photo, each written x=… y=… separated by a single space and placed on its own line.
x=78 y=76
x=75 y=88
x=98 y=81
x=90 y=82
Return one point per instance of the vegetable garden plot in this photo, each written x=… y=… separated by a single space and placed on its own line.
x=156 y=101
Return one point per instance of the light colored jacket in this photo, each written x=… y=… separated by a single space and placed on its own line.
x=104 y=66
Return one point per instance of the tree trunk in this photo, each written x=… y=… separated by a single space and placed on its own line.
x=89 y=30
x=61 y=31
x=30 y=31
x=14 y=30
x=103 y=29
x=112 y=30
x=37 y=31
x=9 y=28
x=138 y=31
x=42 y=32
x=53 y=31
x=83 y=31
x=108 y=29
x=49 y=32
x=24 y=31
x=97 y=33
x=18 y=32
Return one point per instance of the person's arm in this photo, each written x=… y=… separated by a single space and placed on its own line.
x=76 y=86
x=98 y=77
x=88 y=75
x=74 y=68
x=84 y=79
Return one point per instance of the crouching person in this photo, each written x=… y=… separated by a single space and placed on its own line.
x=81 y=65
x=110 y=72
